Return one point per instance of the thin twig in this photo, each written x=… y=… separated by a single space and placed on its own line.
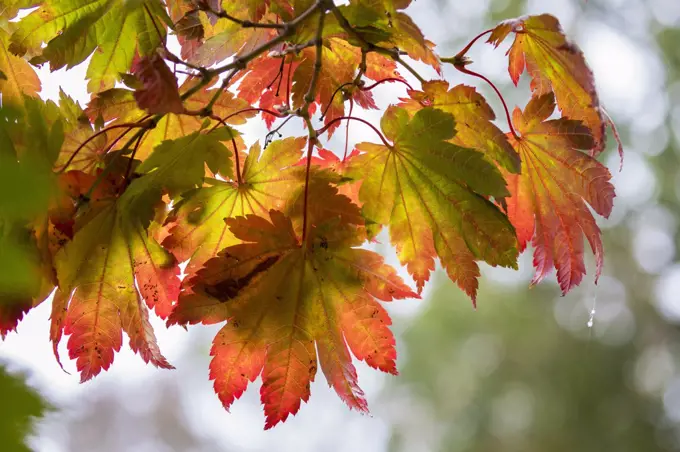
x=310 y=95
x=287 y=30
x=297 y=48
x=204 y=6
x=268 y=139
x=369 y=46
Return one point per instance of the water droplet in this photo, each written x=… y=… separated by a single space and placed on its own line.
x=591 y=318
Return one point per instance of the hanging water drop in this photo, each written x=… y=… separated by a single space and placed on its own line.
x=591 y=318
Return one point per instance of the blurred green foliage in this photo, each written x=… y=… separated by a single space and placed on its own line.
x=29 y=147
x=507 y=377
x=19 y=407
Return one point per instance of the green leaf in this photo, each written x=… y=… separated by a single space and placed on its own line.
x=74 y=29
x=431 y=193
x=177 y=166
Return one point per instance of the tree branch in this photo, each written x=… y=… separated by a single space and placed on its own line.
x=369 y=46
x=204 y=6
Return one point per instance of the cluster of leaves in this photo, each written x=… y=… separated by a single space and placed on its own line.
x=154 y=172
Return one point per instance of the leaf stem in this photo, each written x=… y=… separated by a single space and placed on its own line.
x=351 y=107
x=465 y=50
x=238 y=162
x=225 y=83
x=132 y=159
x=362 y=88
x=385 y=80
x=341 y=118
x=261 y=110
x=464 y=70
x=129 y=126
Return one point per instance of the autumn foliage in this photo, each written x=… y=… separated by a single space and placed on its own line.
x=153 y=172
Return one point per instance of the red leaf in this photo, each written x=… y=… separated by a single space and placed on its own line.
x=160 y=93
x=548 y=199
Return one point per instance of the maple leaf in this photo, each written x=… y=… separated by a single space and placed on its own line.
x=190 y=31
x=197 y=230
x=12 y=310
x=177 y=166
x=73 y=29
x=19 y=77
x=473 y=116
x=261 y=73
x=549 y=197
x=99 y=267
x=284 y=298
x=159 y=93
x=431 y=194
x=555 y=65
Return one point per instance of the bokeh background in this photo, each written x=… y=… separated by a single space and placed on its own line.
x=529 y=370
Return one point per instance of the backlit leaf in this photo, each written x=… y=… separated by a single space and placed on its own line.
x=197 y=227
x=73 y=29
x=473 y=116
x=99 y=268
x=548 y=202
x=431 y=194
x=554 y=65
x=19 y=77
x=159 y=93
x=281 y=298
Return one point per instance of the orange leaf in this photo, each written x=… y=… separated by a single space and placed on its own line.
x=548 y=199
x=282 y=297
x=98 y=297
x=160 y=93
x=555 y=65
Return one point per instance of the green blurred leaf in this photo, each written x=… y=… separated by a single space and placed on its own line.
x=19 y=409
